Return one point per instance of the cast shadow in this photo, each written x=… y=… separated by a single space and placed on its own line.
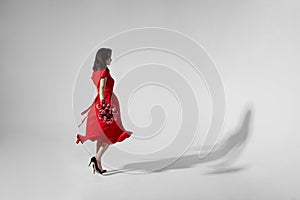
x=225 y=153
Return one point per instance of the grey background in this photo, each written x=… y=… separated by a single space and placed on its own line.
x=43 y=43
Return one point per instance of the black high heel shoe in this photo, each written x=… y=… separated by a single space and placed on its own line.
x=95 y=166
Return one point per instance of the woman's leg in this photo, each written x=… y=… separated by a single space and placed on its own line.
x=101 y=148
x=99 y=144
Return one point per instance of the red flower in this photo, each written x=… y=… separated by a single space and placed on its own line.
x=107 y=112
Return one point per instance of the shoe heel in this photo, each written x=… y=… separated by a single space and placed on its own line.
x=93 y=168
x=93 y=159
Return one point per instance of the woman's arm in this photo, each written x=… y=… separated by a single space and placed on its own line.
x=101 y=88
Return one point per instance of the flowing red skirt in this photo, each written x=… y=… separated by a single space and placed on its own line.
x=99 y=130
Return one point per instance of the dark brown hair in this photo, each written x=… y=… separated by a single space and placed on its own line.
x=101 y=56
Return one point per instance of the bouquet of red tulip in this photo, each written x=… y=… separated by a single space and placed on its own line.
x=107 y=112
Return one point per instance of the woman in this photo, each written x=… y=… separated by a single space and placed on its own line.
x=104 y=123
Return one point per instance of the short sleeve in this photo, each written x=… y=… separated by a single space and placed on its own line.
x=105 y=73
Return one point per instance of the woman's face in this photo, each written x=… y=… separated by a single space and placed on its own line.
x=108 y=60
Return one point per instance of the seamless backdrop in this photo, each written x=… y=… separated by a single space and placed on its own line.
x=254 y=44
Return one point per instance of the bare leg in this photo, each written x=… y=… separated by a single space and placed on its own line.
x=100 y=151
x=99 y=144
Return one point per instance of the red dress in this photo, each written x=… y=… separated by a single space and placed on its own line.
x=96 y=128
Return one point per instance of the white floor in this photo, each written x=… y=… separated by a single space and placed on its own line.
x=56 y=168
